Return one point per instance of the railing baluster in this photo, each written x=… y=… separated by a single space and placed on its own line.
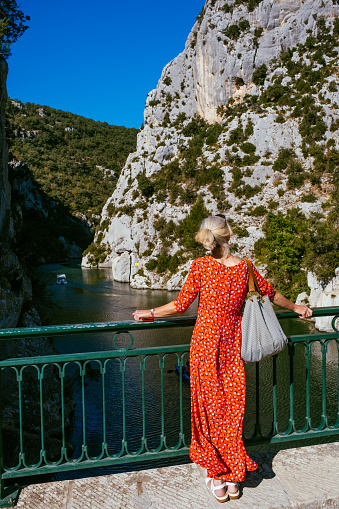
x=274 y=394
x=2 y=485
x=257 y=427
x=124 y=442
x=104 y=437
x=308 y=350
x=42 y=451
x=21 y=453
x=323 y=423
x=63 y=436
x=84 y=446
x=181 y=434
x=143 y=367
x=162 y=437
x=291 y=426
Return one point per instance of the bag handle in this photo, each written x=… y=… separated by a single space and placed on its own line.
x=252 y=281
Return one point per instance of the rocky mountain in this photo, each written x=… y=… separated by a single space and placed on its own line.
x=244 y=121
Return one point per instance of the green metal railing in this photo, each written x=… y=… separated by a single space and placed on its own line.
x=129 y=389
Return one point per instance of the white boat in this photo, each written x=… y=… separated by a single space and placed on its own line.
x=61 y=279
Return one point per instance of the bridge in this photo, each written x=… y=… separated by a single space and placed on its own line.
x=293 y=401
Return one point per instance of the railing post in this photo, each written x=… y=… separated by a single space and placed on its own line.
x=8 y=496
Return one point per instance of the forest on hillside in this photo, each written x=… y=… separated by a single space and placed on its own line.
x=74 y=159
x=68 y=165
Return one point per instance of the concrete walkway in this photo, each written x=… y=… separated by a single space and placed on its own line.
x=307 y=477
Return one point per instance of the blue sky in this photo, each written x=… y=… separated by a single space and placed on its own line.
x=97 y=58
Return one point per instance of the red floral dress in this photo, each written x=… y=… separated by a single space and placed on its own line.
x=217 y=373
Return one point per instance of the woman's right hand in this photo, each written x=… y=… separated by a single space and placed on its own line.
x=139 y=313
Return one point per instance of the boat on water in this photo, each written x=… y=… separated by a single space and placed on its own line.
x=61 y=279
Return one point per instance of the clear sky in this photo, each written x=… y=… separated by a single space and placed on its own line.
x=97 y=58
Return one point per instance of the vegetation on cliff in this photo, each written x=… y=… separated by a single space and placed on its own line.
x=74 y=159
x=290 y=195
x=73 y=164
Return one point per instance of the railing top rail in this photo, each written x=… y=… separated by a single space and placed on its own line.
x=129 y=325
x=138 y=352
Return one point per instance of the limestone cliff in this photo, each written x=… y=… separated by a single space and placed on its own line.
x=223 y=131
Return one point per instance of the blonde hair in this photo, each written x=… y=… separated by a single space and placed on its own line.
x=214 y=231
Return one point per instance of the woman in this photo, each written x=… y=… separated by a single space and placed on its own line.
x=216 y=369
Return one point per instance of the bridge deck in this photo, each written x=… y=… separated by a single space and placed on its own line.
x=305 y=477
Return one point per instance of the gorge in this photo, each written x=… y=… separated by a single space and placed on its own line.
x=244 y=121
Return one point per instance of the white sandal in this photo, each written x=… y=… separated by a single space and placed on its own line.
x=214 y=488
x=233 y=496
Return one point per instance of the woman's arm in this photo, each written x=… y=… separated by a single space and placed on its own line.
x=302 y=311
x=161 y=311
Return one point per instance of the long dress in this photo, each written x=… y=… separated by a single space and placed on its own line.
x=217 y=373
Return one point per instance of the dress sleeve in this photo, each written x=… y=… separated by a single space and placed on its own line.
x=265 y=287
x=190 y=289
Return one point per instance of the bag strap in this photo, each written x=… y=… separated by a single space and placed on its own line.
x=252 y=281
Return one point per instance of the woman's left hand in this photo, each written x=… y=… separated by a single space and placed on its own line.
x=139 y=313
x=303 y=311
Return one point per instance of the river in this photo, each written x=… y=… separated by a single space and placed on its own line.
x=91 y=296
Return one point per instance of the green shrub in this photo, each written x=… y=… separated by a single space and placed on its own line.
x=274 y=92
x=233 y=32
x=309 y=198
x=167 y=119
x=167 y=81
x=145 y=185
x=111 y=209
x=332 y=87
x=227 y=8
x=259 y=75
x=236 y=136
x=284 y=157
x=249 y=129
x=293 y=243
x=188 y=227
x=280 y=119
x=239 y=82
x=151 y=264
x=244 y=25
x=240 y=232
x=296 y=175
x=259 y=211
x=249 y=160
x=273 y=205
x=248 y=148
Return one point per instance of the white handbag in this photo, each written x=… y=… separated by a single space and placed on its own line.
x=261 y=333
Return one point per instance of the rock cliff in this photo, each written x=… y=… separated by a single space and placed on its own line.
x=15 y=285
x=16 y=307
x=236 y=124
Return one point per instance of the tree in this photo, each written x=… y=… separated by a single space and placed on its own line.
x=12 y=25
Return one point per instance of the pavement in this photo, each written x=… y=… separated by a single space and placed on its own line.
x=305 y=477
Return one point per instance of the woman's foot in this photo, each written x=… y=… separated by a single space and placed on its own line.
x=233 y=489
x=219 y=493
